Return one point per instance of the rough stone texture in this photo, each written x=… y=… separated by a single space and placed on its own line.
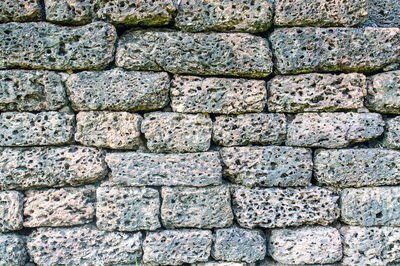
x=224 y=15
x=384 y=13
x=278 y=207
x=320 y=13
x=83 y=246
x=46 y=46
x=316 y=92
x=235 y=54
x=173 y=132
x=118 y=90
x=216 y=263
x=208 y=207
x=237 y=244
x=114 y=130
x=371 y=206
x=23 y=168
x=305 y=245
x=127 y=208
x=392 y=134
x=173 y=247
x=268 y=166
x=299 y=50
x=147 y=169
x=19 y=10
x=28 y=129
x=357 y=167
x=191 y=94
x=11 y=206
x=265 y=129
x=58 y=207
x=12 y=250
x=333 y=130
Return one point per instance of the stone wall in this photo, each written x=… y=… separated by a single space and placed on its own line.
x=199 y=132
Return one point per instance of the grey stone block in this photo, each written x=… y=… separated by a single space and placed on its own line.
x=384 y=13
x=392 y=134
x=11 y=206
x=12 y=250
x=20 y=10
x=222 y=263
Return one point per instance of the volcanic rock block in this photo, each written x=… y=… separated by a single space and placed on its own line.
x=234 y=54
x=268 y=166
x=300 y=50
x=175 y=247
x=11 y=206
x=46 y=46
x=281 y=207
x=384 y=13
x=191 y=94
x=12 y=250
x=219 y=263
x=316 y=92
x=127 y=208
x=149 y=169
x=305 y=245
x=333 y=130
x=19 y=10
x=84 y=245
x=392 y=134
x=118 y=90
x=23 y=168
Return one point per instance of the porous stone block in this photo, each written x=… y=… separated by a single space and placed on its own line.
x=175 y=247
x=207 y=207
x=173 y=132
x=24 y=168
x=316 y=92
x=74 y=12
x=84 y=245
x=127 y=208
x=149 y=169
x=333 y=130
x=191 y=94
x=58 y=207
x=308 y=49
x=118 y=90
x=305 y=245
x=265 y=129
x=114 y=130
x=222 y=263
x=19 y=10
x=375 y=206
x=234 y=54
x=12 y=250
x=392 y=134
x=268 y=166
x=281 y=207
x=43 y=45
x=11 y=206
x=384 y=13
x=29 y=129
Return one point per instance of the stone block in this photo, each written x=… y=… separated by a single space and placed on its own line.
x=392 y=134
x=11 y=206
x=384 y=13
x=13 y=250
x=19 y=10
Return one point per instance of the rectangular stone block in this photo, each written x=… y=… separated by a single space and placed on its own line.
x=282 y=207
x=11 y=206
x=118 y=90
x=268 y=166
x=20 y=10
x=149 y=169
x=13 y=250
x=316 y=92
x=392 y=134
x=208 y=207
x=191 y=94
x=233 y=54
x=333 y=130
x=384 y=13
x=47 y=46
x=308 y=49
x=24 y=168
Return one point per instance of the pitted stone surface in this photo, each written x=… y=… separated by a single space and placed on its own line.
x=234 y=54
x=316 y=92
x=268 y=166
x=300 y=50
x=23 y=168
x=207 y=207
x=191 y=94
x=19 y=10
x=114 y=130
x=173 y=132
x=265 y=129
x=11 y=206
x=175 y=247
x=333 y=130
x=58 y=207
x=75 y=12
x=371 y=206
x=28 y=129
x=46 y=46
x=392 y=134
x=305 y=245
x=12 y=250
x=278 y=207
x=118 y=90
x=83 y=246
x=237 y=244
x=147 y=169
x=384 y=13
x=217 y=263
x=357 y=167
x=127 y=208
